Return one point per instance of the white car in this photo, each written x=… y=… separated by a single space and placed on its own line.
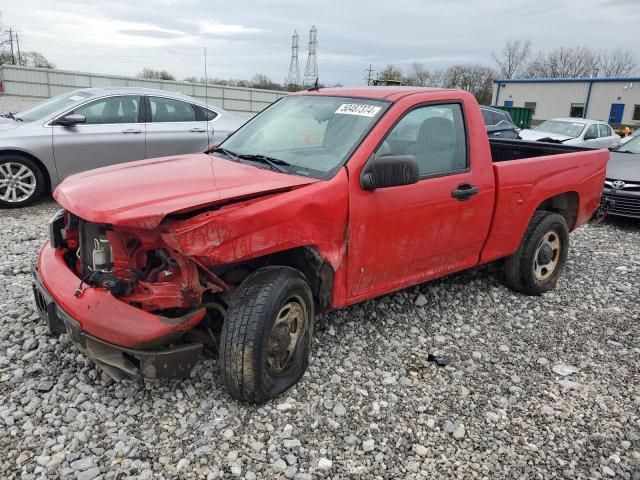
x=574 y=131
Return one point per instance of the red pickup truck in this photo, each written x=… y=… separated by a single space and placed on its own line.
x=327 y=198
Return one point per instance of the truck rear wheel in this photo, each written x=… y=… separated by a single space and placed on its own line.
x=536 y=266
x=266 y=335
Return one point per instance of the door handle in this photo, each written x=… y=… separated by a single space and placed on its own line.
x=464 y=191
x=197 y=130
x=497 y=133
x=131 y=130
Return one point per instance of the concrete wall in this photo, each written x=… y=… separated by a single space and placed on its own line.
x=10 y=103
x=23 y=86
x=555 y=99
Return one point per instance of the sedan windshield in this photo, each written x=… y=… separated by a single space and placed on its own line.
x=560 y=127
x=632 y=146
x=310 y=135
x=43 y=109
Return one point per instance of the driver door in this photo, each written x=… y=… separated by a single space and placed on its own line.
x=113 y=133
x=404 y=235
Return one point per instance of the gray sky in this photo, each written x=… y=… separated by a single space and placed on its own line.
x=243 y=38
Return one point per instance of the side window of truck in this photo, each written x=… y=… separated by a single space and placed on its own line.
x=435 y=134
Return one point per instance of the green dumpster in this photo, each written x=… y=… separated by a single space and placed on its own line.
x=521 y=116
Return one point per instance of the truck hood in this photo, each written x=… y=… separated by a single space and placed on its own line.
x=624 y=166
x=533 y=135
x=140 y=194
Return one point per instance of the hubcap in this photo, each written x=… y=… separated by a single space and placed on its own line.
x=17 y=182
x=286 y=335
x=547 y=256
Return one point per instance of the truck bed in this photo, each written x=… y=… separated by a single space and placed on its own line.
x=505 y=150
x=542 y=171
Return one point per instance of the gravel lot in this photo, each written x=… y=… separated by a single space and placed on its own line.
x=543 y=387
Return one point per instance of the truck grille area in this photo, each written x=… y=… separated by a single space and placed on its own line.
x=623 y=205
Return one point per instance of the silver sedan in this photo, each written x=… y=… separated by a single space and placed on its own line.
x=95 y=127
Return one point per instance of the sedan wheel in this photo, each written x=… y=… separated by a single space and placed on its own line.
x=21 y=181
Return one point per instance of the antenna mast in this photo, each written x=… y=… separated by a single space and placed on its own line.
x=311 y=70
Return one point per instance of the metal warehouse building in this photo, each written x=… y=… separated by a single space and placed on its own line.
x=616 y=100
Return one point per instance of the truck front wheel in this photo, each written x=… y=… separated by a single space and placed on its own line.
x=266 y=335
x=536 y=266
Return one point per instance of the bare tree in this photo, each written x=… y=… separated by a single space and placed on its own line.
x=564 y=62
x=155 y=74
x=438 y=78
x=476 y=79
x=391 y=73
x=419 y=77
x=617 y=63
x=513 y=58
x=260 y=80
x=35 y=59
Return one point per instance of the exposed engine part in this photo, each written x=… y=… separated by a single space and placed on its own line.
x=119 y=287
x=95 y=252
x=101 y=254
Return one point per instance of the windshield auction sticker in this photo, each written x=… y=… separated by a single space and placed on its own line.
x=356 y=109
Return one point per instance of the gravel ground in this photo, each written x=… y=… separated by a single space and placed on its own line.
x=536 y=387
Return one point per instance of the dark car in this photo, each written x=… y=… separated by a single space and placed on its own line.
x=622 y=186
x=499 y=123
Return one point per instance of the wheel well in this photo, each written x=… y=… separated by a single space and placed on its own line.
x=306 y=259
x=565 y=204
x=43 y=169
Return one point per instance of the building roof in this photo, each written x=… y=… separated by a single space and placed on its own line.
x=570 y=80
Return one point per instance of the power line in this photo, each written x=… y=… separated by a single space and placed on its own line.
x=311 y=70
x=369 y=77
x=18 y=45
x=292 y=82
x=13 y=57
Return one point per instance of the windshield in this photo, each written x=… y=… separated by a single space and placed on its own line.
x=43 y=109
x=311 y=135
x=632 y=146
x=559 y=127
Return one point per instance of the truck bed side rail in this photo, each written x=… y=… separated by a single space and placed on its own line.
x=506 y=150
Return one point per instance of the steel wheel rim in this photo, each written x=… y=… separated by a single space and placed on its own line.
x=286 y=335
x=17 y=182
x=550 y=243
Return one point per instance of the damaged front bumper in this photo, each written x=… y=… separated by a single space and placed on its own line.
x=140 y=335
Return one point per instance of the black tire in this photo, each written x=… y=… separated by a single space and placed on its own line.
x=525 y=270
x=248 y=343
x=11 y=164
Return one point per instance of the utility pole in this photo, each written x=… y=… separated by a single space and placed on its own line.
x=206 y=79
x=18 y=45
x=369 y=71
x=13 y=57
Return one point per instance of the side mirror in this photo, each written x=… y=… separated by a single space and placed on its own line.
x=390 y=171
x=71 y=120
